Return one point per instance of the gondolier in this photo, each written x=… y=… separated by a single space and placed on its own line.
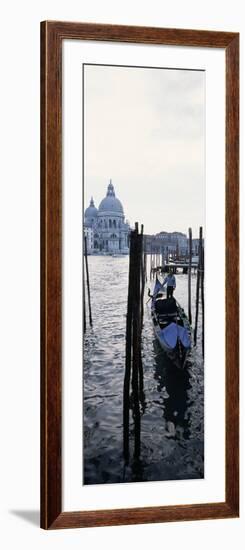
x=170 y=281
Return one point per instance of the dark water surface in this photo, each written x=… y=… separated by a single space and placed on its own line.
x=172 y=413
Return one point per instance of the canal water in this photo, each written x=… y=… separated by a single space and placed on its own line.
x=172 y=411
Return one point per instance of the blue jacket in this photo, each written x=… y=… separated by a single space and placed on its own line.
x=170 y=280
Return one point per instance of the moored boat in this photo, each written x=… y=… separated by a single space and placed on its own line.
x=171 y=326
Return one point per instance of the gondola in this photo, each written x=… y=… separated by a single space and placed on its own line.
x=171 y=326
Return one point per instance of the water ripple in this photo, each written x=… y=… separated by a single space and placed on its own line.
x=172 y=425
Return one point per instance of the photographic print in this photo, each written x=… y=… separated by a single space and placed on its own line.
x=144 y=228
x=139 y=202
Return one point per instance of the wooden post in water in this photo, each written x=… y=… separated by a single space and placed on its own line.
x=133 y=341
x=142 y=274
x=137 y=340
x=145 y=267
x=151 y=264
x=87 y=276
x=84 y=301
x=127 y=374
x=143 y=281
x=84 y=306
x=202 y=298
x=198 y=283
x=189 y=274
x=177 y=251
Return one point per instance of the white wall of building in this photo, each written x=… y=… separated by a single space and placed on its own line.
x=89 y=234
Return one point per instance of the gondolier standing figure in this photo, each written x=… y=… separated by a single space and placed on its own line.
x=170 y=281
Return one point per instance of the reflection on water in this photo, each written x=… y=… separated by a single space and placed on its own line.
x=166 y=432
x=173 y=386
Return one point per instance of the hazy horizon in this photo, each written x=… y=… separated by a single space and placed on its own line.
x=144 y=129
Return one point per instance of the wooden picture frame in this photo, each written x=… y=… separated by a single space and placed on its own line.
x=52 y=35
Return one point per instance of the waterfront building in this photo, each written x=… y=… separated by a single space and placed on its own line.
x=89 y=234
x=173 y=240
x=110 y=231
x=166 y=242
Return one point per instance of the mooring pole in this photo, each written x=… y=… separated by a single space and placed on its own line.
x=133 y=362
x=202 y=297
x=127 y=374
x=141 y=316
x=189 y=274
x=162 y=261
x=137 y=340
x=84 y=307
x=145 y=267
x=87 y=275
x=142 y=274
x=198 y=283
x=151 y=263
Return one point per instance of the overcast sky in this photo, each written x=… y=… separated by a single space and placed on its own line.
x=144 y=129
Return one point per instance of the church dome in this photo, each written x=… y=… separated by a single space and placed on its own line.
x=110 y=203
x=91 y=211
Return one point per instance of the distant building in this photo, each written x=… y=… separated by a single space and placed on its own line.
x=165 y=242
x=106 y=227
x=89 y=234
x=173 y=240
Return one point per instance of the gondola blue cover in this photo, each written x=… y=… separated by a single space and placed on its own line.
x=172 y=332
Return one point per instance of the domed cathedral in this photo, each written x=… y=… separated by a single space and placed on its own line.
x=105 y=228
